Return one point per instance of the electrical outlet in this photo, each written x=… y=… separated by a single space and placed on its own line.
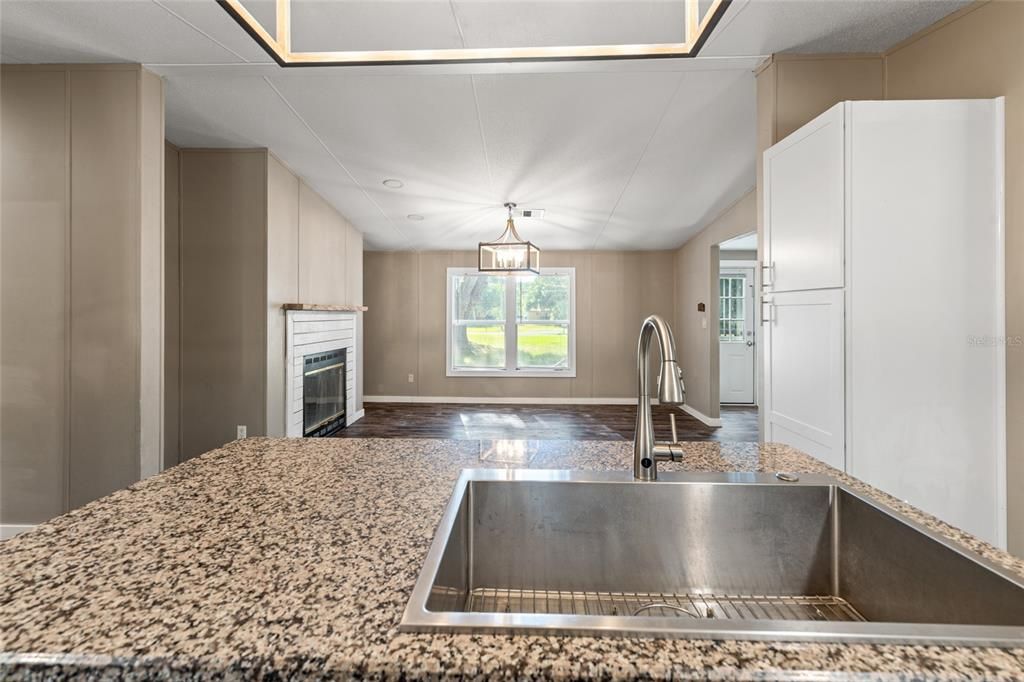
x=241 y=431
x=412 y=378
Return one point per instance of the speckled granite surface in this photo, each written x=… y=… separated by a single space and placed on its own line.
x=295 y=558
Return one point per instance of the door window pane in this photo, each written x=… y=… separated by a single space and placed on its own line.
x=732 y=308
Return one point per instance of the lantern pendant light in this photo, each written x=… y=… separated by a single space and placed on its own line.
x=509 y=252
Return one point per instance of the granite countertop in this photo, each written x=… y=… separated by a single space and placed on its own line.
x=295 y=558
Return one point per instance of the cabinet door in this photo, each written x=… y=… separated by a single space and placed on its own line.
x=804 y=396
x=804 y=212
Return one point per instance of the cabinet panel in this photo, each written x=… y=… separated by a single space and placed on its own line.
x=804 y=179
x=804 y=398
x=926 y=353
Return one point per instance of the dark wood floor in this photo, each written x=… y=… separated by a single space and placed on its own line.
x=539 y=422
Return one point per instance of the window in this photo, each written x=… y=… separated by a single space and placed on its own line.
x=732 y=296
x=509 y=325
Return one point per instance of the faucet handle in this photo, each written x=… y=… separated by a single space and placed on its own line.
x=672 y=451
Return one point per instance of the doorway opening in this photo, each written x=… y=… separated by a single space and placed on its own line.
x=737 y=324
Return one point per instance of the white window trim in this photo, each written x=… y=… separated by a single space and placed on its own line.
x=510 y=331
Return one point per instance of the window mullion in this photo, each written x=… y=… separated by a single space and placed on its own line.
x=511 y=335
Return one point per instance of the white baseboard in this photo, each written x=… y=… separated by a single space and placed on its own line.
x=503 y=400
x=354 y=417
x=8 y=530
x=700 y=416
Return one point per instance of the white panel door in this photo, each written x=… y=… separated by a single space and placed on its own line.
x=804 y=399
x=804 y=178
x=926 y=351
x=736 y=335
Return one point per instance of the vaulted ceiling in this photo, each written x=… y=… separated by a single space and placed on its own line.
x=620 y=154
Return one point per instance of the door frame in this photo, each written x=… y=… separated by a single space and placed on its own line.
x=714 y=355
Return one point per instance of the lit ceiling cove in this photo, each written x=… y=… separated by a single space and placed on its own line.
x=701 y=18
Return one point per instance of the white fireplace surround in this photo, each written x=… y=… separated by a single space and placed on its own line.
x=316 y=331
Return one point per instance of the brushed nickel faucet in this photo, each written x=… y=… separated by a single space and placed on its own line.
x=646 y=452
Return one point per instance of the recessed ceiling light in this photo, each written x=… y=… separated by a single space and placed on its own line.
x=393 y=184
x=414 y=216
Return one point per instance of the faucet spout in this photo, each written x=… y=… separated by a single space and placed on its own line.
x=670 y=391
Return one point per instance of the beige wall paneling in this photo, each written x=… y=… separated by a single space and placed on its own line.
x=172 y=311
x=405 y=327
x=807 y=85
x=330 y=263
x=391 y=328
x=696 y=267
x=105 y=283
x=614 y=362
x=35 y=219
x=282 y=281
x=648 y=287
x=322 y=248
x=254 y=237
x=583 y=385
x=151 y=274
x=739 y=255
x=979 y=52
x=223 y=296
x=99 y=164
x=431 y=378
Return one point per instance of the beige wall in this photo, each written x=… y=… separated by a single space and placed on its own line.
x=223 y=296
x=82 y=224
x=172 y=312
x=696 y=281
x=405 y=326
x=282 y=281
x=738 y=255
x=253 y=237
x=36 y=232
x=980 y=53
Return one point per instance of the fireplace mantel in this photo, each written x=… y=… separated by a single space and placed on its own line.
x=345 y=308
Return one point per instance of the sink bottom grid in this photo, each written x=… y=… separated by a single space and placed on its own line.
x=722 y=606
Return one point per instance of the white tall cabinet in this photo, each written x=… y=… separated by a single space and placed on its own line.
x=883 y=301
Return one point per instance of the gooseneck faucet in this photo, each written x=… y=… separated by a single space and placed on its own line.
x=646 y=452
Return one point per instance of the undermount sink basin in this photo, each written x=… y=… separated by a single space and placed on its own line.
x=728 y=556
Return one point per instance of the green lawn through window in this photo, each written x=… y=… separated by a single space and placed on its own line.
x=539 y=345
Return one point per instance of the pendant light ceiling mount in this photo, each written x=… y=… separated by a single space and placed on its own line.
x=509 y=253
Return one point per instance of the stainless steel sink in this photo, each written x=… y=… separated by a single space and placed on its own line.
x=728 y=556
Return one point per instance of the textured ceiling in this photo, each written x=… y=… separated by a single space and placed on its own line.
x=635 y=154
